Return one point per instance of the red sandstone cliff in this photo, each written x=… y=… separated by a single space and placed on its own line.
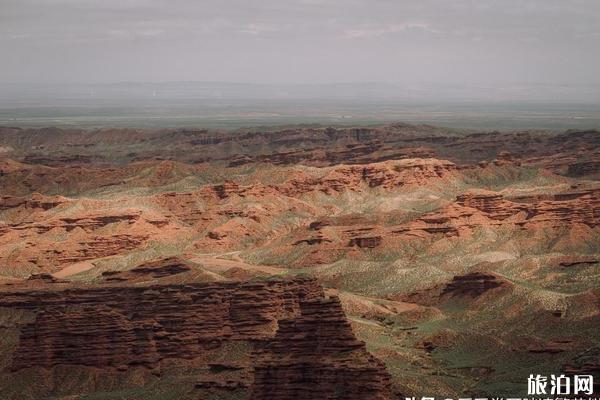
x=316 y=356
x=118 y=325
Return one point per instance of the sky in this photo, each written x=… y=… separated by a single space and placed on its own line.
x=481 y=42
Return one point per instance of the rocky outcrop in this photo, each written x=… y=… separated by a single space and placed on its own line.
x=490 y=203
x=112 y=325
x=575 y=262
x=368 y=242
x=312 y=241
x=95 y=222
x=473 y=285
x=73 y=231
x=310 y=145
x=386 y=175
x=31 y=203
x=225 y=190
x=88 y=224
x=305 y=348
x=580 y=207
x=94 y=247
x=372 y=152
x=152 y=269
x=558 y=345
x=185 y=207
x=469 y=287
x=479 y=208
x=473 y=210
x=584 y=168
x=43 y=278
x=316 y=356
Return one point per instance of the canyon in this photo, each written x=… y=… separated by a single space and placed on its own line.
x=370 y=262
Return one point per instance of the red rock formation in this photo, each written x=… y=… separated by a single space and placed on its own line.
x=368 y=242
x=584 y=168
x=76 y=154
x=490 y=203
x=185 y=207
x=469 y=286
x=144 y=324
x=580 y=207
x=34 y=202
x=473 y=284
x=316 y=356
x=487 y=209
x=330 y=237
x=557 y=345
x=349 y=154
x=118 y=325
x=94 y=247
x=225 y=190
x=387 y=175
x=152 y=269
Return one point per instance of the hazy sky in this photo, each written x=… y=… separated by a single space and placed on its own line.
x=453 y=41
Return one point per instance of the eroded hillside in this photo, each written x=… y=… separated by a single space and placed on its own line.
x=255 y=263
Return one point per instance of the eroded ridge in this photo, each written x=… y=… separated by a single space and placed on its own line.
x=295 y=330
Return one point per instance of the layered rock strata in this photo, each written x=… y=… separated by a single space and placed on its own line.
x=316 y=356
x=295 y=329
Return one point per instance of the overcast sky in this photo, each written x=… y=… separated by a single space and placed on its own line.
x=301 y=41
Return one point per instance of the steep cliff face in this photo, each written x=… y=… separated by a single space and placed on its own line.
x=466 y=287
x=119 y=325
x=482 y=208
x=316 y=356
x=372 y=152
x=388 y=175
x=34 y=203
x=310 y=146
x=574 y=211
x=473 y=284
x=490 y=203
